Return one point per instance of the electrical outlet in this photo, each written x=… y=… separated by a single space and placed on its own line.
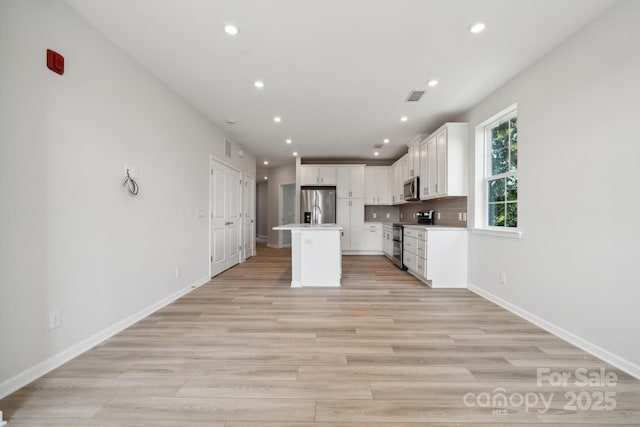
x=464 y=216
x=400 y=215
x=438 y=215
x=459 y=216
x=178 y=272
x=388 y=215
x=503 y=278
x=375 y=215
x=414 y=215
x=54 y=319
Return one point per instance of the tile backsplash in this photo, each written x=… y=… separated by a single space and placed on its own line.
x=380 y=213
x=448 y=209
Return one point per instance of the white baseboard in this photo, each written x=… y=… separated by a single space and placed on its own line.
x=260 y=238
x=22 y=379
x=621 y=363
x=362 y=253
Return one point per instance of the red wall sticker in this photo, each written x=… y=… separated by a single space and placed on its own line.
x=55 y=62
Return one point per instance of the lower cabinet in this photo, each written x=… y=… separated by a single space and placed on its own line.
x=350 y=215
x=372 y=237
x=358 y=237
x=436 y=255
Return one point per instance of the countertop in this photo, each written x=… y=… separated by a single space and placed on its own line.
x=417 y=226
x=433 y=227
x=306 y=226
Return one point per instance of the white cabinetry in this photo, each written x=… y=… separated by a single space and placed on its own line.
x=350 y=181
x=377 y=185
x=399 y=177
x=350 y=206
x=318 y=175
x=413 y=161
x=350 y=215
x=437 y=255
x=372 y=241
x=315 y=255
x=413 y=251
x=443 y=162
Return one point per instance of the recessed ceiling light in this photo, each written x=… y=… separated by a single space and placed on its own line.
x=404 y=118
x=259 y=84
x=266 y=177
x=230 y=29
x=288 y=141
x=432 y=83
x=478 y=27
x=386 y=140
x=375 y=153
x=295 y=153
x=277 y=119
x=231 y=121
x=266 y=162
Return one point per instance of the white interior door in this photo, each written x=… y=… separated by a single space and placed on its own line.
x=234 y=216
x=225 y=217
x=218 y=218
x=249 y=216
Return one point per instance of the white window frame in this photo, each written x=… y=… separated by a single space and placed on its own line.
x=482 y=177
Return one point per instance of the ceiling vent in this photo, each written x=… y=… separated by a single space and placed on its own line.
x=377 y=146
x=414 y=96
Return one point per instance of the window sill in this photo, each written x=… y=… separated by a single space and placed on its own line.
x=509 y=234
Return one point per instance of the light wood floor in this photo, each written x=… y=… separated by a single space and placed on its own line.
x=245 y=350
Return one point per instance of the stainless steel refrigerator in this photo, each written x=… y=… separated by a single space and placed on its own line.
x=318 y=205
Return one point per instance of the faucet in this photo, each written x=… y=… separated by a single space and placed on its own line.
x=314 y=217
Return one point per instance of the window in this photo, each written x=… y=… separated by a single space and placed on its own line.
x=497 y=171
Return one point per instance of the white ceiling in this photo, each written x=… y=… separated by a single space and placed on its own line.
x=336 y=71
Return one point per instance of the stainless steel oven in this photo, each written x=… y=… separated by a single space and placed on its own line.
x=396 y=258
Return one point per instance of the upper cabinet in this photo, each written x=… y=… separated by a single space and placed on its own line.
x=413 y=161
x=318 y=175
x=399 y=169
x=413 y=157
x=443 y=162
x=377 y=185
x=350 y=182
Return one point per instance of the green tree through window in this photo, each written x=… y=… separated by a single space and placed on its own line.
x=501 y=145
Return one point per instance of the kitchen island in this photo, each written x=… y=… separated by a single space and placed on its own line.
x=316 y=257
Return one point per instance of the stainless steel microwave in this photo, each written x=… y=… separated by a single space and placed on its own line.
x=411 y=189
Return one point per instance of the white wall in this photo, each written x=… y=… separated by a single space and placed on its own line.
x=71 y=237
x=576 y=268
x=277 y=177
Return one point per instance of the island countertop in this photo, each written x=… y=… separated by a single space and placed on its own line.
x=307 y=226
